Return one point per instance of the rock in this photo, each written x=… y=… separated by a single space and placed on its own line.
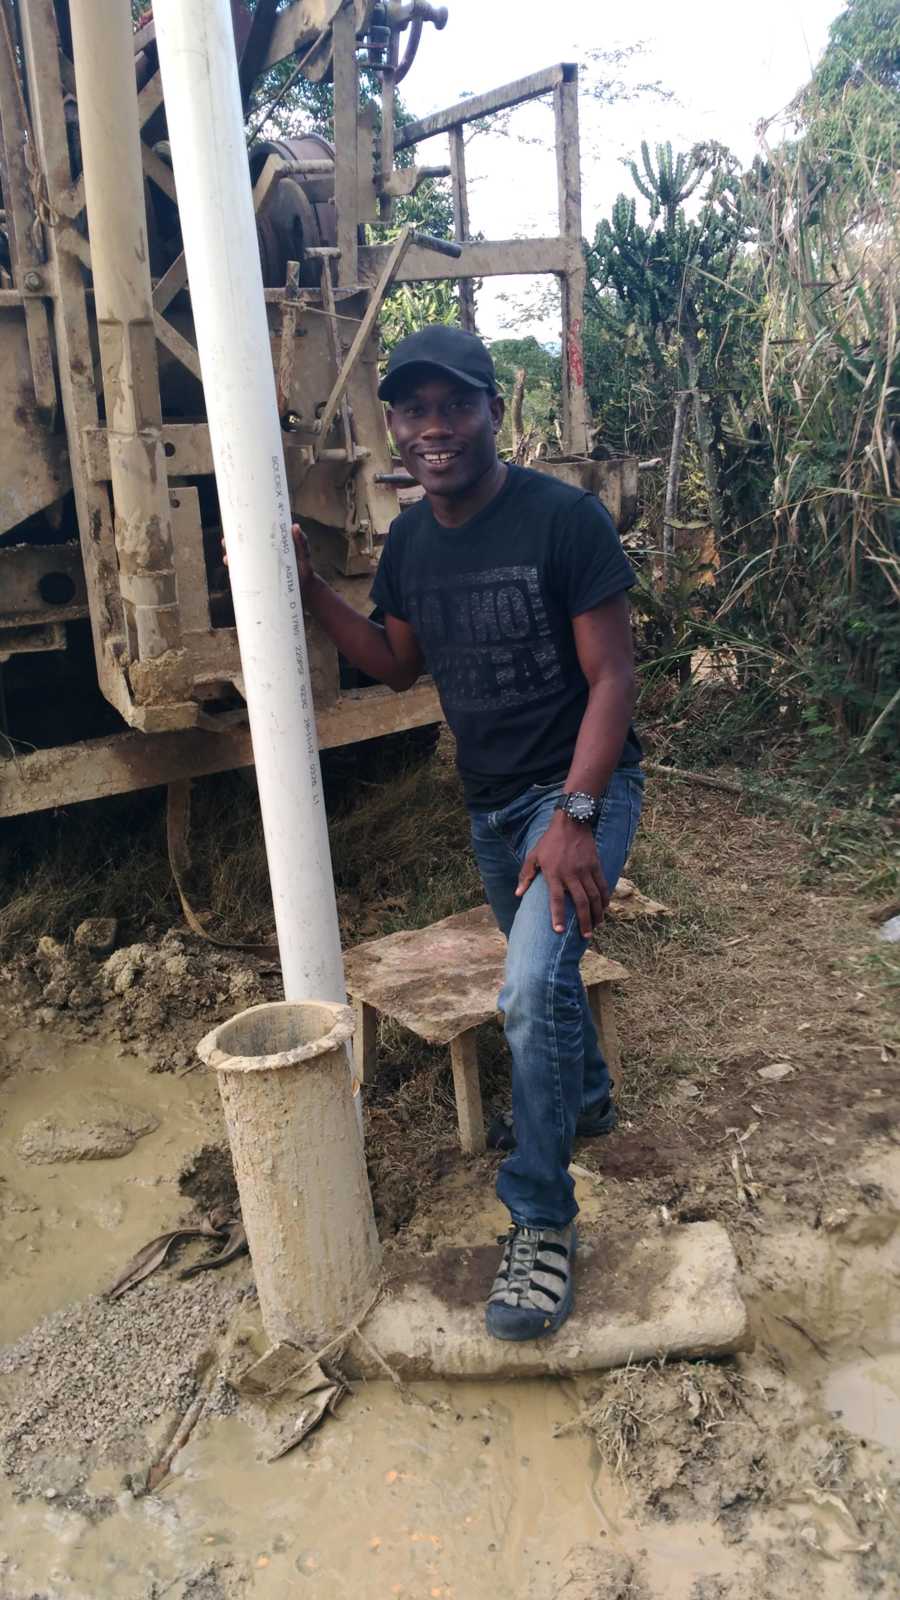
x=683 y=1300
x=50 y=949
x=57 y=992
x=686 y=1091
x=122 y=969
x=889 y=932
x=97 y=934
x=627 y=903
x=242 y=980
x=106 y=1130
x=775 y=1071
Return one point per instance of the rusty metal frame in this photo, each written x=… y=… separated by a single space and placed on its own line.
x=66 y=288
x=563 y=256
x=127 y=761
x=25 y=230
x=23 y=568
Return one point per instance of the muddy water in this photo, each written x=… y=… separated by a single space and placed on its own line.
x=865 y=1394
x=67 y=1228
x=462 y=1494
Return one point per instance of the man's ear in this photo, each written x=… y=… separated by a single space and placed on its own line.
x=389 y=419
x=497 y=406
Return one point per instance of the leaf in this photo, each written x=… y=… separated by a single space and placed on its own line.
x=149 y=1259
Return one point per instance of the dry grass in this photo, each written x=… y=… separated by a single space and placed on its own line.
x=399 y=850
x=681 y=1404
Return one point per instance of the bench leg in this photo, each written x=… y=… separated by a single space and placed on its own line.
x=364 y=1035
x=600 y=1000
x=467 y=1088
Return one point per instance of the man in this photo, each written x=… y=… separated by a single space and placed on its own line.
x=509 y=588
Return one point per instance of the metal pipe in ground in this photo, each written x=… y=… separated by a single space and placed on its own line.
x=195 y=39
x=299 y=1164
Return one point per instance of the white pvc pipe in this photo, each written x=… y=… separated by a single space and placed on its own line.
x=197 y=58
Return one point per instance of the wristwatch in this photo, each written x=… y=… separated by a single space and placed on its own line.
x=580 y=807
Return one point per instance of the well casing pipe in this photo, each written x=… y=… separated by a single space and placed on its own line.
x=299 y=1165
x=195 y=39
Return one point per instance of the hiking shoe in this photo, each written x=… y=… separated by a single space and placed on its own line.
x=534 y=1286
x=591 y=1124
x=501 y=1133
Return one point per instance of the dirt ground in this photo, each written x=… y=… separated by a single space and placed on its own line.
x=760 y=1042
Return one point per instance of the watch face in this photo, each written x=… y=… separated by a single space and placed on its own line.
x=581 y=807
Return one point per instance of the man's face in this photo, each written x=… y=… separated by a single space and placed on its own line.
x=446 y=432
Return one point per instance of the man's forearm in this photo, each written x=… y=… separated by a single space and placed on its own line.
x=602 y=734
x=364 y=643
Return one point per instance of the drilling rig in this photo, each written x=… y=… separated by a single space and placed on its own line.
x=119 y=660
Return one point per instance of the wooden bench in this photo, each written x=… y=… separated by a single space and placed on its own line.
x=441 y=983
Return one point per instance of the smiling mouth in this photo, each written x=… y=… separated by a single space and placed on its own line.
x=437 y=458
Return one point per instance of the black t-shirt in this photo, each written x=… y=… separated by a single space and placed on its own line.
x=491 y=604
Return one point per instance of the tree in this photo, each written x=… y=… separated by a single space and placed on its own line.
x=848 y=109
x=671 y=277
x=538 y=390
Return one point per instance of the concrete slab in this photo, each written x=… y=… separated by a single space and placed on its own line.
x=672 y=1292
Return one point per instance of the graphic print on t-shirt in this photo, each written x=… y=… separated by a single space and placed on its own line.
x=487 y=638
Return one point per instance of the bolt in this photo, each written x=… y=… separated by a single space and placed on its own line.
x=33 y=282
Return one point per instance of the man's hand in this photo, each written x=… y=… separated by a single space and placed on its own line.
x=567 y=857
x=305 y=571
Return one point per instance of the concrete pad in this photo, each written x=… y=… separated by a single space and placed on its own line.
x=671 y=1292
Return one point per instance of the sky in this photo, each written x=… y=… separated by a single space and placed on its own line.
x=728 y=65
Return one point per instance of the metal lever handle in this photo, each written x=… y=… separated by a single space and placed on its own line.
x=444 y=247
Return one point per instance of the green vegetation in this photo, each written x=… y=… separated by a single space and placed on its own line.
x=765 y=304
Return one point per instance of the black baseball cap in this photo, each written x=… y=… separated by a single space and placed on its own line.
x=452 y=351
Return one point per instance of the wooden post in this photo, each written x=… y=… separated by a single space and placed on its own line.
x=600 y=1000
x=461 y=222
x=467 y=1088
x=575 y=412
x=365 y=1034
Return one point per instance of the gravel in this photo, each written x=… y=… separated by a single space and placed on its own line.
x=94 y=1378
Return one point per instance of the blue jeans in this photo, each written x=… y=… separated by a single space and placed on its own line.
x=558 y=1068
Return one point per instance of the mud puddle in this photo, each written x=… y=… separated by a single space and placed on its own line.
x=459 y=1492
x=865 y=1395
x=67 y=1227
